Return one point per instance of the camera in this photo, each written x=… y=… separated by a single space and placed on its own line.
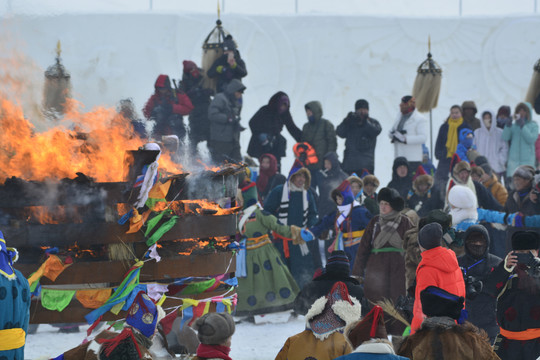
x=473 y=286
x=524 y=258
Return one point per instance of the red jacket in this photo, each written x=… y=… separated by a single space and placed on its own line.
x=438 y=267
x=182 y=106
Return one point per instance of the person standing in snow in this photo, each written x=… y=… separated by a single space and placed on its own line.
x=319 y=133
x=228 y=66
x=469 y=115
x=326 y=180
x=224 y=116
x=166 y=108
x=266 y=126
x=409 y=132
x=269 y=177
x=360 y=133
x=401 y=177
x=371 y=183
x=489 y=143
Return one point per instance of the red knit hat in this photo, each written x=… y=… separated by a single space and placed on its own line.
x=370 y=327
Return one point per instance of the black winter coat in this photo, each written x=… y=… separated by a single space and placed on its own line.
x=482 y=308
x=267 y=120
x=442 y=137
x=199 y=125
x=360 y=141
x=326 y=181
x=227 y=72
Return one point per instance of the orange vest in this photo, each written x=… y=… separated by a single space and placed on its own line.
x=311 y=155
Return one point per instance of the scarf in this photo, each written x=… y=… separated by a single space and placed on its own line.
x=388 y=235
x=266 y=174
x=452 y=136
x=213 y=352
x=283 y=211
x=344 y=210
x=403 y=119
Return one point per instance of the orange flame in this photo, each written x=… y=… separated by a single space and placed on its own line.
x=202 y=207
x=62 y=151
x=52 y=215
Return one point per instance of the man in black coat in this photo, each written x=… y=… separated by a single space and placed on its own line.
x=360 y=133
x=266 y=126
x=477 y=265
x=228 y=66
x=337 y=269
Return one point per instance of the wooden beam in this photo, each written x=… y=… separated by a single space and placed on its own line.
x=113 y=271
x=85 y=234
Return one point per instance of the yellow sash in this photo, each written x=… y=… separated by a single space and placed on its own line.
x=11 y=339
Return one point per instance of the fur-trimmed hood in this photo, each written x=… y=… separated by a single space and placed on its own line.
x=342 y=308
x=306 y=173
x=422 y=179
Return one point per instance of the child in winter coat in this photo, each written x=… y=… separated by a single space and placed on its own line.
x=215 y=331
x=323 y=338
x=466 y=138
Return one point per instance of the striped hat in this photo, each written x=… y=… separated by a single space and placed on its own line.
x=338 y=263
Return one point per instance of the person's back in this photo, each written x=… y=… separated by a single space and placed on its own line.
x=438 y=267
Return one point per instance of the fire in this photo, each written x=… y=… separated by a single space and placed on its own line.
x=52 y=215
x=93 y=143
x=209 y=168
x=200 y=207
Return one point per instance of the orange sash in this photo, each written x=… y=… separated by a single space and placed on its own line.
x=524 y=335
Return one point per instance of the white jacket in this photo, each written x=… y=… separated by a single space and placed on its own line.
x=491 y=144
x=417 y=130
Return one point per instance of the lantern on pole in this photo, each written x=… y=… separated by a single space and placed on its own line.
x=57 y=87
x=533 y=93
x=426 y=89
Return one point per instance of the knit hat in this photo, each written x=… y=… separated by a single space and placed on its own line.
x=333 y=312
x=406 y=99
x=438 y=302
x=338 y=264
x=143 y=315
x=370 y=327
x=430 y=236
x=469 y=105
x=462 y=197
x=440 y=217
x=487 y=168
x=7 y=257
x=525 y=172
x=361 y=104
x=371 y=179
x=504 y=111
x=191 y=68
x=392 y=197
x=345 y=190
x=525 y=240
x=480 y=159
x=228 y=44
x=214 y=328
x=249 y=193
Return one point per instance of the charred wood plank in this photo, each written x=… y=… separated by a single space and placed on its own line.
x=188 y=227
x=113 y=271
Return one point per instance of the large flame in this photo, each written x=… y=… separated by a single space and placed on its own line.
x=93 y=143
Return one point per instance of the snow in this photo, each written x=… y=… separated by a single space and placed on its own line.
x=335 y=59
x=249 y=341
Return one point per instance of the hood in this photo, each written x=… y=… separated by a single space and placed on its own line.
x=440 y=258
x=316 y=109
x=493 y=121
x=234 y=86
x=273 y=103
x=477 y=229
x=459 y=167
x=163 y=81
x=304 y=171
x=422 y=180
x=400 y=160
x=463 y=133
x=272 y=169
x=333 y=158
x=528 y=109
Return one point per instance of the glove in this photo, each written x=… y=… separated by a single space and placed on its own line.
x=306 y=235
x=400 y=137
x=296 y=235
x=263 y=138
x=519 y=219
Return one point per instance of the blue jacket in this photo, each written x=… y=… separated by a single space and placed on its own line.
x=464 y=144
x=358 y=219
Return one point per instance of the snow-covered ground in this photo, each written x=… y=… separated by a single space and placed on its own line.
x=250 y=341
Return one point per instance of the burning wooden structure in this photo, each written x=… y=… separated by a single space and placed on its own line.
x=77 y=219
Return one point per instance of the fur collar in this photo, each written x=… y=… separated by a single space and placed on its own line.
x=375 y=346
x=345 y=311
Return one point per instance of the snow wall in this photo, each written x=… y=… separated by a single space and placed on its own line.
x=333 y=59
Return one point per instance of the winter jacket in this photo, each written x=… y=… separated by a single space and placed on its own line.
x=522 y=143
x=320 y=133
x=442 y=339
x=522 y=204
x=482 y=307
x=422 y=203
x=360 y=142
x=490 y=144
x=268 y=123
x=306 y=346
x=326 y=181
x=438 y=267
x=416 y=128
x=498 y=191
x=199 y=125
x=402 y=184
x=372 y=350
x=224 y=114
x=440 y=144
x=269 y=178
x=464 y=144
x=224 y=73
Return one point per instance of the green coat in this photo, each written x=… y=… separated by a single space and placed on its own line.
x=320 y=134
x=522 y=150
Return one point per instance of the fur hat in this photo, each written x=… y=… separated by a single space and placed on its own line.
x=430 y=236
x=422 y=180
x=439 y=302
x=525 y=240
x=460 y=166
x=477 y=170
x=392 y=197
x=370 y=327
x=525 y=172
x=371 y=179
x=469 y=104
x=333 y=312
x=214 y=328
x=361 y=104
x=355 y=179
